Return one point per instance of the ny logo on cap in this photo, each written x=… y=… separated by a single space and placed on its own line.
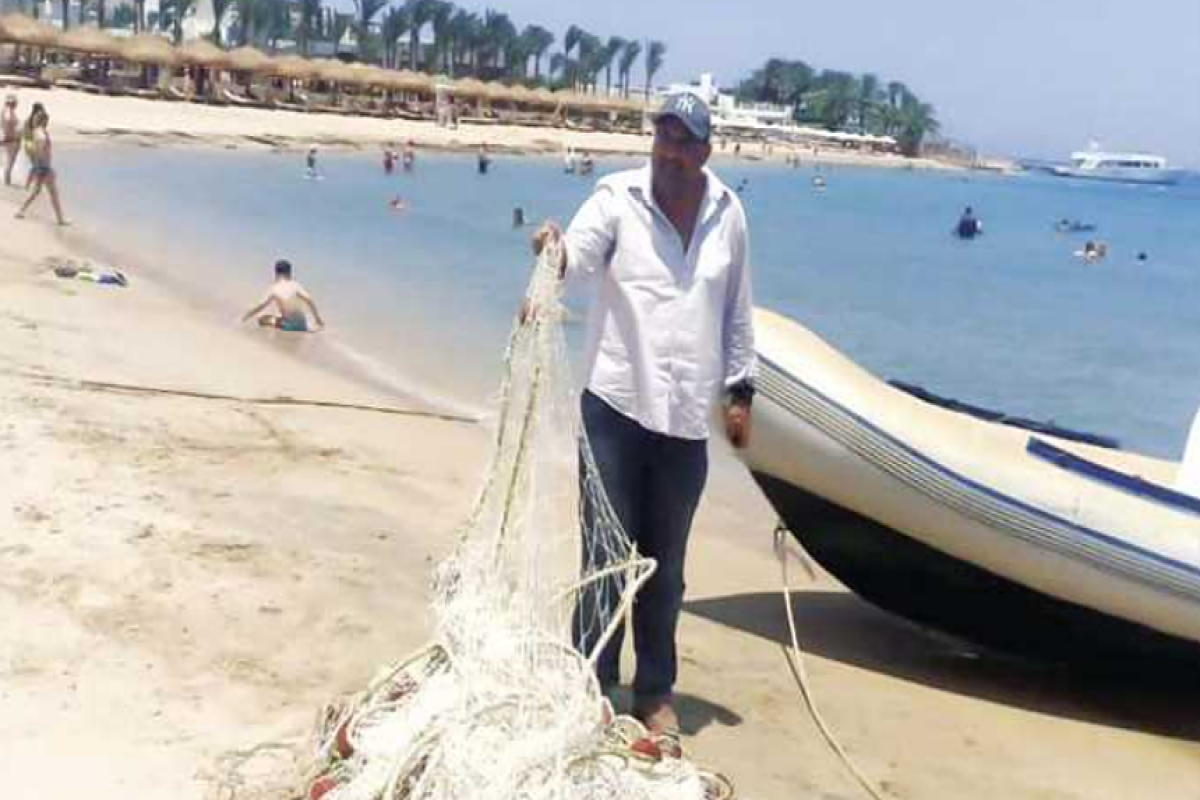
x=685 y=103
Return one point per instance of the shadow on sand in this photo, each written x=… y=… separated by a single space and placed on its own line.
x=841 y=627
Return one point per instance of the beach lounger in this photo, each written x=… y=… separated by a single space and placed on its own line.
x=239 y=100
x=174 y=93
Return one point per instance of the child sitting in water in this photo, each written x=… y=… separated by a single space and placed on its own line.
x=291 y=300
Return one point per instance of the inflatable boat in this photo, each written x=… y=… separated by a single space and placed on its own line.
x=1025 y=541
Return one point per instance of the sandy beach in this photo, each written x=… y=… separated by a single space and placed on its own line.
x=188 y=575
x=81 y=117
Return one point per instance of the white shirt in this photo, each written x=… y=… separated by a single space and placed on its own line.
x=668 y=330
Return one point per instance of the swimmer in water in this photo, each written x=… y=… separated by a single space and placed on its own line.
x=292 y=302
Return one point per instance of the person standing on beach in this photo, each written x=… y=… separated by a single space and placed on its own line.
x=484 y=160
x=41 y=158
x=409 y=159
x=10 y=136
x=670 y=335
x=310 y=162
x=292 y=303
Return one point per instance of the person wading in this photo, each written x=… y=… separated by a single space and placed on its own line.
x=670 y=335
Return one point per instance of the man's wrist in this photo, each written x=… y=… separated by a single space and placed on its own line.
x=741 y=393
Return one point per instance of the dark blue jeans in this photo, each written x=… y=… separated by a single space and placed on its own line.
x=653 y=483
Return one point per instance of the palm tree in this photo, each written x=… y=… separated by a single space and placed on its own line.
x=310 y=17
x=461 y=32
x=176 y=11
x=278 y=23
x=570 y=40
x=338 y=25
x=655 y=53
x=537 y=41
x=395 y=25
x=916 y=121
x=443 y=13
x=629 y=57
x=66 y=14
x=220 y=11
x=365 y=12
x=498 y=33
x=868 y=96
x=247 y=16
x=558 y=64
x=608 y=55
x=588 y=64
x=419 y=13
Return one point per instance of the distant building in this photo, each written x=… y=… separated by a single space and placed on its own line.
x=763 y=121
x=727 y=112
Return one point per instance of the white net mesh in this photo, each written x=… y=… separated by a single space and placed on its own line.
x=502 y=706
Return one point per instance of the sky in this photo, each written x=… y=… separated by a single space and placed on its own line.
x=1036 y=78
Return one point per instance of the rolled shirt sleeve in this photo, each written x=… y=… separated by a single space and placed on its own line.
x=738 y=325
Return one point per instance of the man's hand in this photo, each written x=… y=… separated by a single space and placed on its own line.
x=737 y=424
x=548 y=232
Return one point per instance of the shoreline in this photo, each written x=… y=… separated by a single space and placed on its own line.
x=82 y=118
x=187 y=576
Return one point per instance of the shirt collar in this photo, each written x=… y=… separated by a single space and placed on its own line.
x=715 y=191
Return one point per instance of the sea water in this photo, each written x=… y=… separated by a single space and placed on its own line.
x=421 y=299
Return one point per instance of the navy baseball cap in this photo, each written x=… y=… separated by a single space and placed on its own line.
x=689 y=109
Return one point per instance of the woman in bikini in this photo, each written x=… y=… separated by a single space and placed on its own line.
x=41 y=155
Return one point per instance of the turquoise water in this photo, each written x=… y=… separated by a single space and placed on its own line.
x=422 y=299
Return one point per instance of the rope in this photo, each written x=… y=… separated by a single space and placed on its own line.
x=126 y=388
x=795 y=658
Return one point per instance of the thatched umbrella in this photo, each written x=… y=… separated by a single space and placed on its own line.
x=409 y=80
x=91 y=41
x=367 y=75
x=203 y=56
x=545 y=97
x=295 y=68
x=247 y=59
x=148 y=49
x=335 y=71
x=202 y=53
x=26 y=30
x=469 y=87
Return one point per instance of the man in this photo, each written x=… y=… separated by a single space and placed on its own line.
x=291 y=301
x=10 y=136
x=969 y=225
x=670 y=332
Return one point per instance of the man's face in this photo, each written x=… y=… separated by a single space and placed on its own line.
x=677 y=157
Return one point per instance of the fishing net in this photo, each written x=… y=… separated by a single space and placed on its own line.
x=503 y=705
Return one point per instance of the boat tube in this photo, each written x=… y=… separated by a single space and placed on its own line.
x=1025 y=541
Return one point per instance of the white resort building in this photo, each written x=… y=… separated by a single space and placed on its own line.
x=768 y=121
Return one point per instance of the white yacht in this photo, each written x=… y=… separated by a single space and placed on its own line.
x=1097 y=164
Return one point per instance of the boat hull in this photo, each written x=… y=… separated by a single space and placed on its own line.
x=1150 y=177
x=898 y=574
x=974 y=527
